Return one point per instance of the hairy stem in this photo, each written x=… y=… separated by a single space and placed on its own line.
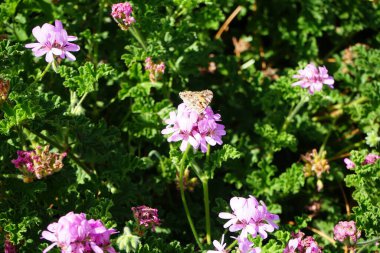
x=206 y=202
x=62 y=149
x=40 y=76
x=293 y=112
x=189 y=219
x=138 y=36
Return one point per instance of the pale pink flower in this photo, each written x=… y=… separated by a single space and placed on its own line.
x=349 y=164
x=73 y=233
x=249 y=216
x=346 y=230
x=53 y=41
x=371 y=159
x=313 y=78
x=219 y=246
x=198 y=130
x=301 y=244
x=246 y=246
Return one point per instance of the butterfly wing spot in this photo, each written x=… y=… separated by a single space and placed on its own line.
x=197 y=100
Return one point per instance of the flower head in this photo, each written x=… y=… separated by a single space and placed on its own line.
x=249 y=216
x=38 y=163
x=315 y=163
x=53 y=41
x=146 y=216
x=122 y=14
x=198 y=130
x=155 y=70
x=9 y=247
x=346 y=230
x=4 y=90
x=371 y=159
x=219 y=246
x=74 y=233
x=313 y=78
x=349 y=164
x=246 y=246
x=301 y=244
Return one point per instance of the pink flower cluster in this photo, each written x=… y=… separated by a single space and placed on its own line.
x=252 y=218
x=198 y=130
x=146 y=216
x=73 y=233
x=155 y=70
x=369 y=159
x=301 y=244
x=346 y=230
x=53 y=41
x=313 y=78
x=38 y=163
x=122 y=14
x=9 y=247
x=249 y=216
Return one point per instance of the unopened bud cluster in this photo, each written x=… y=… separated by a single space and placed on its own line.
x=155 y=70
x=38 y=163
x=4 y=90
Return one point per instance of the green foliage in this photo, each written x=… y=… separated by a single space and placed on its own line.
x=107 y=115
x=366 y=183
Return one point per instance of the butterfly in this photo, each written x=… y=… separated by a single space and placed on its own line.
x=197 y=100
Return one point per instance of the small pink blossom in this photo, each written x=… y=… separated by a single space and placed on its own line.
x=38 y=163
x=301 y=244
x=54 y=42
x=371 y=159
x=73 y=233
x=155 y=70
x=346 y=230
x=349 y=164
x=9 y=247
x=122 y=14
x=313 y=78
x=246 y=246
x=249 y=216
x=219 y=246
x=146 y=216
x=198 y=130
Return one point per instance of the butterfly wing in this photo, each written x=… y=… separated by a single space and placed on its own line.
x=197 y=100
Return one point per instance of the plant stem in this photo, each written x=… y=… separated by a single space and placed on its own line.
x=328 y=238
x=16 y=176
x=232 y=245
x=181 y=171
x=206 y=199
x=322 y=148
x=293 y=112
x=79 y=103
x=40 y=76
x=62 y=149
x=369 y=241
x=138 y=36
x=207 y=209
